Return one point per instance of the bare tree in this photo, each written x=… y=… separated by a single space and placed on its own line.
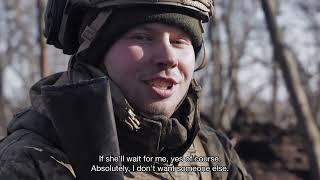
x=2 y=105
x=3 y=64
x=216 y=79
x=311 y=10
x=233 y=59
x=19 y=55
x=43 y=58
x=298 y=97
x=275 y=80
x=236 y=44
x=275 y=87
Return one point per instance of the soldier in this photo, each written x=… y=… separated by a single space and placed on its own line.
x=127 y=107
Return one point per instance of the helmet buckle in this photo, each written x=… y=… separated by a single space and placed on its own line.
x=88 y=34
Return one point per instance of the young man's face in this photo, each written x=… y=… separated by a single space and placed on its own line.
x=153 y=65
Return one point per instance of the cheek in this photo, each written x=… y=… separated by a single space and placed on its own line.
x=135 y=53
x=121 y=62
x=187 y=64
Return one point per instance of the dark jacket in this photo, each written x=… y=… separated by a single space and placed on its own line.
x=39 y=147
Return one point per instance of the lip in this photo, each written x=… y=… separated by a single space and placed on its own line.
x=162 y=93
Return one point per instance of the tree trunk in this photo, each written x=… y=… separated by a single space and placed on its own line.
x=216 y=80
x=298 y=97
x=275 y=87
x=43 y=58
x=233 y=56
x=3 y=121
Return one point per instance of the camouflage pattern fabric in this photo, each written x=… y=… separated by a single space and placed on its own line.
x=33 y=150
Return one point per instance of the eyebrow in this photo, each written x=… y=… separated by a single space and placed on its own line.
x=145 y=27
x=148 y=28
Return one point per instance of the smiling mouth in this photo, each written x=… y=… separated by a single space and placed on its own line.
x=161 y=84
x=161 y=87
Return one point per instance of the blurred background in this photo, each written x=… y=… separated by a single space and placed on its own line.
x=261 y=85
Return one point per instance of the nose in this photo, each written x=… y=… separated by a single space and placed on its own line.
x=165 y=55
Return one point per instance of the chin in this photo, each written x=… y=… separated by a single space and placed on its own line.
x=162 y=109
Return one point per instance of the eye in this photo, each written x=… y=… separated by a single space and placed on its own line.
x=140 y=37
x=181 y=42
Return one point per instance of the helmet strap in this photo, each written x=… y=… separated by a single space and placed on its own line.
x=90 y=32
x=204 y=60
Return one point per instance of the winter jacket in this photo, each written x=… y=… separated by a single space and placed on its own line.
x=63 y=133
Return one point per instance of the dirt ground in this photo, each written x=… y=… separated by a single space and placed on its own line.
x=271 y=153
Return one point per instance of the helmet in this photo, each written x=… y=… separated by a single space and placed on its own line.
x=63 y=18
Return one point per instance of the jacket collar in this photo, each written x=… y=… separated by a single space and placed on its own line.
x=156 y=136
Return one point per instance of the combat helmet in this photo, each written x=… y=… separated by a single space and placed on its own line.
x=63 y=18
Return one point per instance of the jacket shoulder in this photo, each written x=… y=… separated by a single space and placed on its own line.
x=216 y=143
x=27 y=155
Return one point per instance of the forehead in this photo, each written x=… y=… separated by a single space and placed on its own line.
x=158 y=28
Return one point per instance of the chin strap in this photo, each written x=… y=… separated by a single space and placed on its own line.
x=194 y=88
x=204 y=60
